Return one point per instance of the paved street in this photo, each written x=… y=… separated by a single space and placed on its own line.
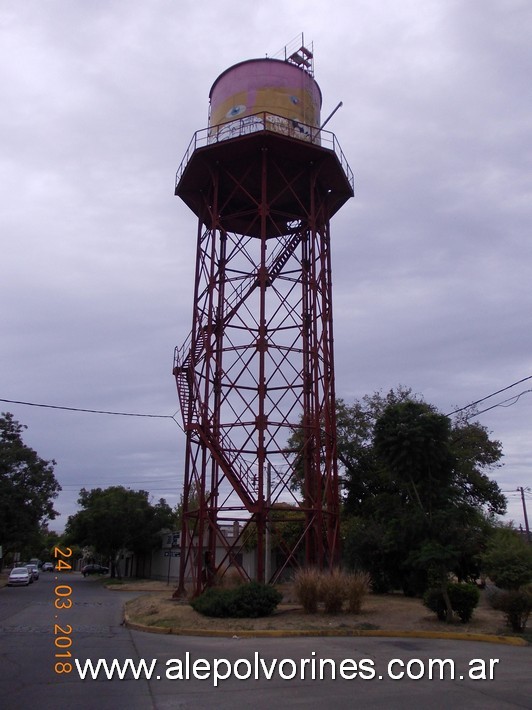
x=28 y=656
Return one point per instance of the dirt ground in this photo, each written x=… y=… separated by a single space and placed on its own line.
x=390 y=612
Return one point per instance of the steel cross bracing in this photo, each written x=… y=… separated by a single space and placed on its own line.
x=255 y=378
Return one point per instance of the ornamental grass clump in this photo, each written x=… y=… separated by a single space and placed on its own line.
x=357 y=587
x=307 y=589
x=333 y=588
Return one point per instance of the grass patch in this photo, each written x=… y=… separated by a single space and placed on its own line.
x=379 y=612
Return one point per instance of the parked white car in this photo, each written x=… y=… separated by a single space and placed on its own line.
x=19 y=577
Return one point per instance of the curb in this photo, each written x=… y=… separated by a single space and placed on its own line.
x=263 y=633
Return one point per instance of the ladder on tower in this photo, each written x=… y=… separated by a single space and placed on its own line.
x=187 y=388
x=221 y=447
x=186 y=357
x=191 y=403
x=274 y=269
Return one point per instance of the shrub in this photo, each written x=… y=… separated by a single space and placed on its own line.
x=463 y=597
x=516 y=605
x=433 y=600
x=332 y=590
x=307 y=589
x=213 y=602
x=357 y=587
x=245 y=601
x=255 y=599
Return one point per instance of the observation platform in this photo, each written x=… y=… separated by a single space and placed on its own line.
x=303 y=162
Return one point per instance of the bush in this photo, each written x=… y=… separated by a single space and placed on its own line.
x=255 y=599
x=463 y=597
x=332 y=589
x=246 y=601
x=213 y=602
x=358 y=585
x=433 y=600
x=307 y=589
x=516 y=606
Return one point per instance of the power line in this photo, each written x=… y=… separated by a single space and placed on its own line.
x=93 y=411
x=511 y=400
x=121 y=482
x=493 y=394
x=173 y=416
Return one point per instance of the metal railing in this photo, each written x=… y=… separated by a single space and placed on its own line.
x=270 y=122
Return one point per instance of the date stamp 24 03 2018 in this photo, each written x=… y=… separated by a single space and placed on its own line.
x=62 y=601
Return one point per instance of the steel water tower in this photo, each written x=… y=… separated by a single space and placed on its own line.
x=255 y=378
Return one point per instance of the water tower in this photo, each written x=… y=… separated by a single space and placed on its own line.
x=255 y=378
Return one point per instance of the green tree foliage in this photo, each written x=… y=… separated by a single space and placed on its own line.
x=418 y=499
x=117 y=518
x=508 y=559
x=28 y=488
x=48 y=540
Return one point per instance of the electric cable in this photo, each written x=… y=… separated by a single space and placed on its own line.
x=483 y=399
x=94 y=411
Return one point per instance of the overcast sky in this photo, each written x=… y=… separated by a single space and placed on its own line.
x=431 y=259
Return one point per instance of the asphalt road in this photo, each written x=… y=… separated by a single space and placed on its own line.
x=35 y=630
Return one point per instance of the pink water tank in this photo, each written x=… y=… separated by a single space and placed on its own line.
x=270 y=87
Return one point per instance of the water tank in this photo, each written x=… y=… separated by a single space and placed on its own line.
x=264 y=93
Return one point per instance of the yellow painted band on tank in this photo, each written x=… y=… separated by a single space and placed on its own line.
x=291 y=103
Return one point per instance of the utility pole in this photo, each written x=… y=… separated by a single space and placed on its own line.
x=522 y=491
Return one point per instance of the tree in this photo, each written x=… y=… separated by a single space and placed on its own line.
x=354 y=431
x=416 y=490
x=362 y=472
x=508 y=559
x=116 y=519
x=28 y=488
x=48 y=541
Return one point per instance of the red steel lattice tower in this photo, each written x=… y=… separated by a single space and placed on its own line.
x=255 y=378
